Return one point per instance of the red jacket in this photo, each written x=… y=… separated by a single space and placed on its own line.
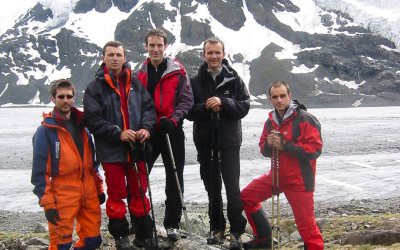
x=173 y=95
x=301 y=133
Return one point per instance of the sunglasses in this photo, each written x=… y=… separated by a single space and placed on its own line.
x=69 y=97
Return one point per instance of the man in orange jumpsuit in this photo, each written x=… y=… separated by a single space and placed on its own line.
x=65 y=175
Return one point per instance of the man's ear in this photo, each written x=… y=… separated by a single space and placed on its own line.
x=53 y=100
x=145 y=47
x=204 y=56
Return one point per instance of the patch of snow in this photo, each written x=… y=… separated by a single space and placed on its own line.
x=303 y=69
x=263 y=96
x=4 y=90
x=357 y=103
x=35 y=99
x=349 y=84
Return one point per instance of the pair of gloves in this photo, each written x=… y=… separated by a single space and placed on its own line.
x=52 y=214
x=167 y=125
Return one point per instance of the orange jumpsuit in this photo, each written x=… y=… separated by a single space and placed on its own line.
x=64 y=181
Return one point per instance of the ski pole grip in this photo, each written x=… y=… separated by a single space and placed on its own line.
x=163 y=118
x=132 y=146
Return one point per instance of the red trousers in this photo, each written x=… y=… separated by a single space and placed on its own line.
x=302 y=203
x=117 y=175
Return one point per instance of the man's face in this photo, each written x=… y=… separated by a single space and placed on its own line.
x=114 y=58
x=155 y=46
x=213 y=54
x=280 y=98
x=64 y=101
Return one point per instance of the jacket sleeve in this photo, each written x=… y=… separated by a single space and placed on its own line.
x=264 y=148
x=308 y=144
x=184 y=97
x=238 y=107
x=198 y=111
x=94 y=121
x=40 y=173
x=149 y=115
x=98 y=179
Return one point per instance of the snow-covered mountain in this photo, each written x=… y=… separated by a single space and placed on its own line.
x=332 y=52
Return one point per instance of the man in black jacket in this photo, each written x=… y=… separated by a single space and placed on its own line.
x=119 y=112
x=221 y=101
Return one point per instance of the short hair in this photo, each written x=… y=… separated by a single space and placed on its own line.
x=156 y=32
x=213 y=40
x=61 y=83
x=278 y=84
x=115 y=44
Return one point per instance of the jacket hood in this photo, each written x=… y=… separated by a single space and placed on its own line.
x=293 y=107
x=225 y=67
x=101 y=72
x=54 y=119
x=173 y=65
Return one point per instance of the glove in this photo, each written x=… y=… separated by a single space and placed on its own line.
x=167 y=125
x=52 y=215
x=102 y=198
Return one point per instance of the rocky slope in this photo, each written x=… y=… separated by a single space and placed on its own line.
x=358 y=224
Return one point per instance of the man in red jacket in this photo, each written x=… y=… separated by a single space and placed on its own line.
x=119 y=112
x=299 y=144
x=169 y=86
x=65 y=175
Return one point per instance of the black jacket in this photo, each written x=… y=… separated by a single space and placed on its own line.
x=235 y=103
x=103 y=113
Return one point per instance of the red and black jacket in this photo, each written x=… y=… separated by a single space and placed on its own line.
x=173 y=95
x=301 y=135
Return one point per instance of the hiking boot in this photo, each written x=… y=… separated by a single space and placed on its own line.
x=217 y=238
x=122 y=243
x=148 y=244
x=258 y=243
x=236 y=242
x=173 y=234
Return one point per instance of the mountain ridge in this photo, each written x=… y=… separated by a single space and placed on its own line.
x=346 y=66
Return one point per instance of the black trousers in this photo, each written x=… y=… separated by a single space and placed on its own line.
x=173 y=204
x=211 y=172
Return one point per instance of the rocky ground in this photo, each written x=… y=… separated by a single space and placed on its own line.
x=358 y=224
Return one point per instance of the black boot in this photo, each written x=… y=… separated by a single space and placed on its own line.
x=217 y=237
x=148 y=244
x=236 y=242
x=173 y=234
x=257 y=243
x=122 y=243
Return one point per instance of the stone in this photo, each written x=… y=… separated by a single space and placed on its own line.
x=372 y=237
x=41 y=228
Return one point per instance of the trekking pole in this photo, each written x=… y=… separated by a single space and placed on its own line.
x=210 y=239
x=215 y=123
x=278 y=228
x=150 y=196
x=275 y=168
x=177 y=182
x=273 y=197
x=136 y=169
x=221 y=206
